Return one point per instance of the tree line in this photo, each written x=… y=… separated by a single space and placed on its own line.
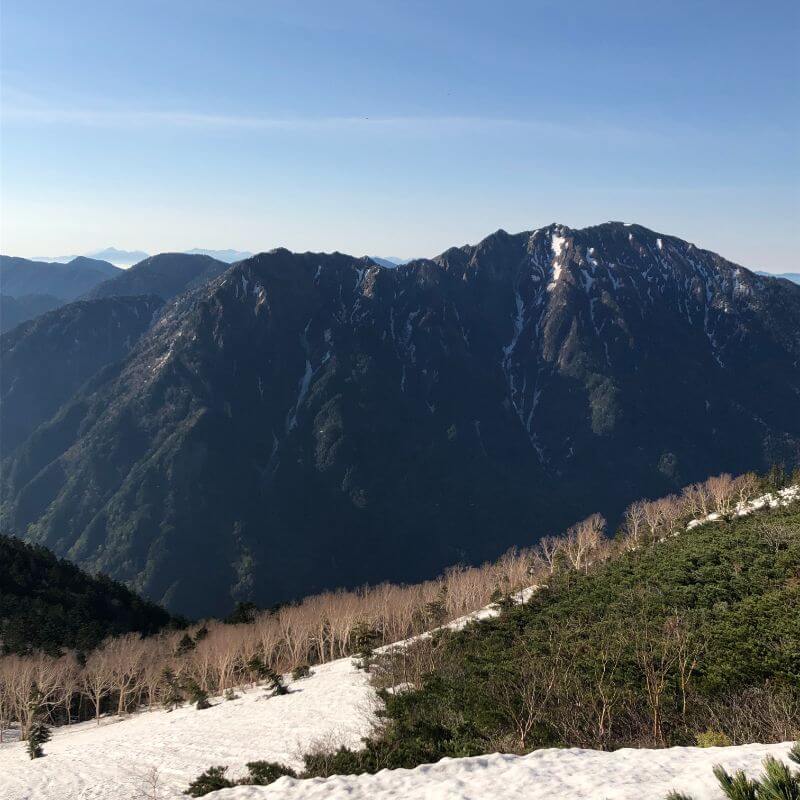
x=129 y=672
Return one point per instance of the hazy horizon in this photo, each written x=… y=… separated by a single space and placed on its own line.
x=374 y=128
x=98 y=252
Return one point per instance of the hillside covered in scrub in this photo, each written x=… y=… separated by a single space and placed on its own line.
x=693 y=639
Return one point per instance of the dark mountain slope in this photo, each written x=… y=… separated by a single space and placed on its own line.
x=48 y=604
x=19 y=276
x=165 y=275
x=308 y=421
x=44 y=361
x=14 y=310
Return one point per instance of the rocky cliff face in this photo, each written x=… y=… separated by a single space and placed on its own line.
x=306 y=421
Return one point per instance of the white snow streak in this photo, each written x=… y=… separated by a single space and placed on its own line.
x=557 y=243
x=305 y=382
x=783 y=497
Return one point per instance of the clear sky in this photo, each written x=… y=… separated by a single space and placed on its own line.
x=397 y=128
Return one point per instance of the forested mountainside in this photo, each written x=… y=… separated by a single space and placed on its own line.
x=306 y=421
x=165 y=276
x=45 y=360
x=49 y=604
x=21 y=276
x=14 y=310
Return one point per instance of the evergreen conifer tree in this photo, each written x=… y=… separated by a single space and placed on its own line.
x=38 y=733
x=365 y=640
x=209 y=781
x=258 y=668
x=737 y=786
x=276 y=683
x=185 y=645
x=778 y=781
x=172 y=696
x=201 y=634
x=436 y=610
x=197 y=694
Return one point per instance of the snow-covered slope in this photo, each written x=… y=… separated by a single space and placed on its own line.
x=781 y=498
x=542 y=775
x=114 y=761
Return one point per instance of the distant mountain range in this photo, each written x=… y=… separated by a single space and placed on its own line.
x=296 y=422
x=390 y=261
x=127 y=258
x=789 y=276
x=120 y=258
x=29 y=288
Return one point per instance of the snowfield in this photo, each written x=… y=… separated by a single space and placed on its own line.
x=113 y=761
x=116 y=760
x=542 y=775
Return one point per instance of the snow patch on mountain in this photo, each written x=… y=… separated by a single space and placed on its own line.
x=781 y=498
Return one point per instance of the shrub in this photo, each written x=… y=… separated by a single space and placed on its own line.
x=265 y=772
x=209 y=781
x=303 y=671
x=712 y=738
x=276 y=683
x=230 y=694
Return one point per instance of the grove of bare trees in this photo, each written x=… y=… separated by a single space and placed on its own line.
x=128 y=673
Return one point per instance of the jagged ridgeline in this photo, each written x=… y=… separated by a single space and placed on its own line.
x=306 y=421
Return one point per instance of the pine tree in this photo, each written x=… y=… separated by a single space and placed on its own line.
x=276 y=683
x=778 y=781
x=502 y=600
x=794 y=753
x=201 y=634
x=262 y=773
x=258 y=668
x=738 y=786
x=436 y=610
x=209 y=781
x=303 y=671
x=197 y=694
x=365 y=639
x=185 y=645
x=172 y=696
x=38 y=733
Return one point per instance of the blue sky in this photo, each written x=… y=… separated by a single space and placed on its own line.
x=397 y=128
